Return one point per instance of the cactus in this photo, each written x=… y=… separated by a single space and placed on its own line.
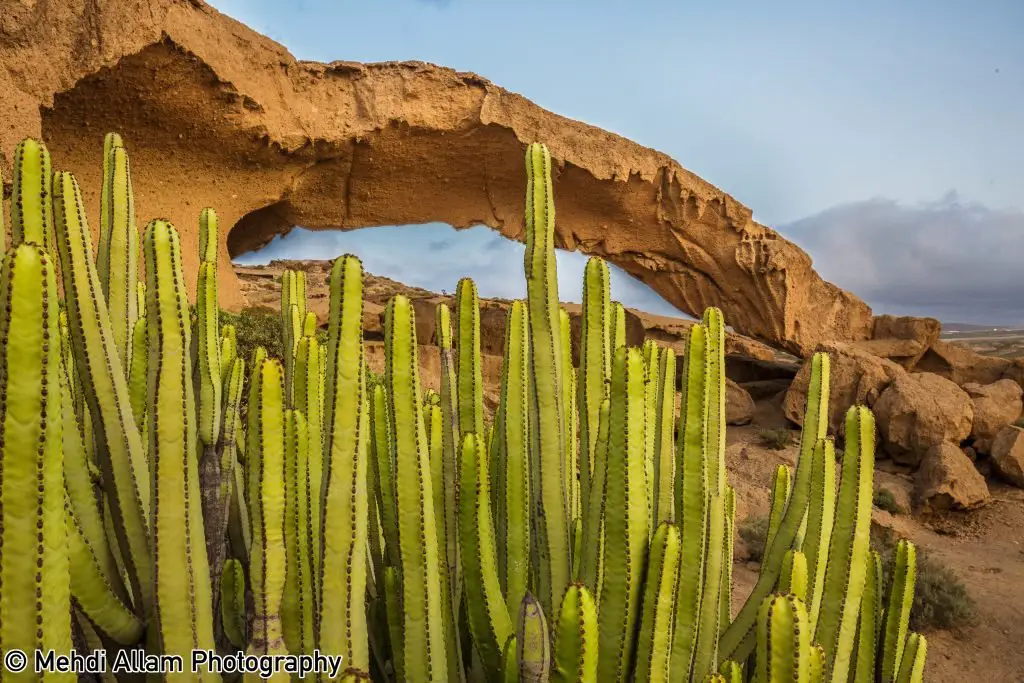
x=532 y=642
x=297 y=603
x=31 y=208
x=35 y=595
x=783 y=645
x=654 y=643
x=779 y=498
x=867 y=626
x=663 y=484
x=595 y=367
x=913 y=660
x=548 y=432
x=897 y=616
x=575 y=650
x=232 y=602
x=820 y=516
x=626 y=520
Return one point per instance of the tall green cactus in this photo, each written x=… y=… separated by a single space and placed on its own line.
x=664 y=448
x=897 y=615
x=35 y=599
x=423 y=631
x=626 y=520
x=781 y=484
x=576 y=638
x=820 y=517
x=31 y=207
x=913 y=660
x=551 y=508
x=184 y=624
x=341 y=576
x=595 y=366
x=783 y=641
x=297 y=603
x=654 y=643
x=533 y=642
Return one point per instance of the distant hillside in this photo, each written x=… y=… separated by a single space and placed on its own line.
x=960 y=328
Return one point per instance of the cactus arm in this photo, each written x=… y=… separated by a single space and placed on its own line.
x=510 y=662
x=725 y=617
x=341 y=584
x=593 y=521
x=691 y=500
x=617 y=327
x=737 y=641
x=654 y=644
x=423 y=632
x=820 y=515
x=265 y=458
x=138 y=372
x=914 y=656
x=35 y=600
x=548 y=429
x=626 y=520
x=783 y=641
x=120 y=452
x=469 y=372
x=533 y=642
x=793 y=578
x=117 y=260
x=297 y=604
x=31 y=208
x=183 y=601
x=816 y=666
x=575 y=651
x=865 y=665
x=451 y=444
x=731 y=672
x=781 y=484
x=232 y=602
x=848 y=551
x=595 y=366
x=385 y=471
x=715 y=368
x=306 y=398
x=897 y=616
x=651 y=389
x=665 y=452
x=570 y=466
x=705 y=652
x=396 y=622
x=489 y=620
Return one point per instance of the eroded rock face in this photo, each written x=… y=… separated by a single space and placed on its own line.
x=948 y=480
x=921 y=410
x=961 y=365
x=996 y=405
x=857 y=378
x=1008 y=455
x=215 y=114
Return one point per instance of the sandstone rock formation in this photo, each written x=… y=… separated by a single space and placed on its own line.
x=996 y=405
x=215 y=114
x=858 y=377
x=963 y=365
x=1008 y=455
x=947 y=480
x=921 y=410
x=905 y=339
x=739 y=406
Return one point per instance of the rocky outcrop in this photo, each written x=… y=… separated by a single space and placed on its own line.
x=961 y=365
x=904 y=339
x=215 y=114
x=857 y=377
x=921 y=410
x=996 y=406
x=1008 y=455
x=739 y=405
x=947 y=480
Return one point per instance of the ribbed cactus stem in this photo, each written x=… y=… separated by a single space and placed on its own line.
x=423 y=617
x=781 y=484
x=297 y=604
x=450 y=445
x=592 y=544
x=533 y=642
x=120 y=452
x=31 y=208
x=551 y=507
x=652 y=382
x=665 y=449
x=897 y=615
x=821 y=511
x=793 y=579
x=654 y=643
x=715 y=368
x=470 y=373
x=617 y=326
x=866 y=664
x=232 y=602
x=184 y=605
x=626 y=520
x=705 y=653
x=307 y=399
x=691 y=499
x=341 y=577
x=914 y=655
x=575 y=651
x=595 y=366
x=266 y=465
x=35 y=600
x=783 y=643
x=848 y=551
x=489 y=620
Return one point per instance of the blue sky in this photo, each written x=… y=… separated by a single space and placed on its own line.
x=894 y=129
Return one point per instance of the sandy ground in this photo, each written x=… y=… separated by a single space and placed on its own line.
x=984 y=548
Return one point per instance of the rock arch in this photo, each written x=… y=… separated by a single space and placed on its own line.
x=230 y=119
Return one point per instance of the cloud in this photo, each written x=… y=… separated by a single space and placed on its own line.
x=955 y=260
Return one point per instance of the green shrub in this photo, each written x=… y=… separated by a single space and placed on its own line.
x=258 y=327
x=885 y=500
x=754 y=532
x=776 y=439
x=941 y=600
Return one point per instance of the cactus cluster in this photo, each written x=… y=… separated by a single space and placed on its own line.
x=159 y=493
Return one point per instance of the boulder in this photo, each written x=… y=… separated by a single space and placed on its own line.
x=923 y=332
x=996 y=406
x=857 y=377
x=948 y=480
x=918 y=411
x=905 y=352
x=739 y=406
x=1008 y=455
x=961 y=365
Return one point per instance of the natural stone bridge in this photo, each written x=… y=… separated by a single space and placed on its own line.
x=214 y=114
